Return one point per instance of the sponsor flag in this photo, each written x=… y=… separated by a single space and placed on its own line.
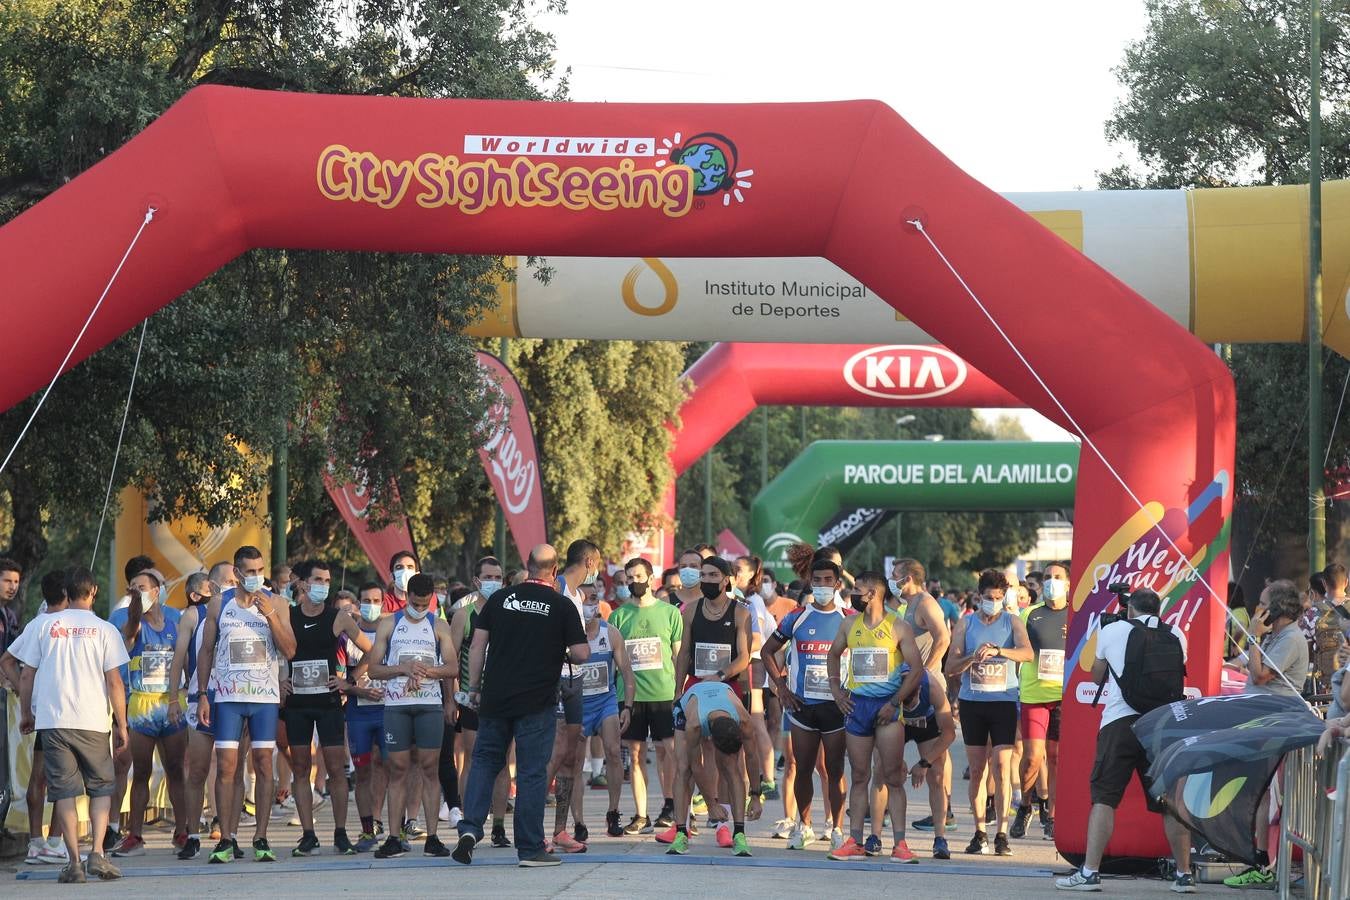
x=511 y=458
x=353 y=504
x=1211 y=760
x=850 y=527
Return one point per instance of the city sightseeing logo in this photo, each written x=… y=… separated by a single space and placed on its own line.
x=672 y=175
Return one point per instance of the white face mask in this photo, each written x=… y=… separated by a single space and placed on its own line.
x=488 y=588
x=1054 y=589
x=768 y=589
x=990 y=607
x=318 y=592
x=589 y=579
x=371 y=611
x=147 y=600
x=253 y=583
x=894 y=586
x=415 y=615
x=688 y=576
x=591 y=610
x=401 y=578
x=822 y=594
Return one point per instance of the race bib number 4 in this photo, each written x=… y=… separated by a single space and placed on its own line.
x=645 y=654
x=709 y=659
x=1050 y=666
x=594 y=679
x=309 y=676
x=989 y=677
x=870 y=665
x=816 y=683
x=155 y=671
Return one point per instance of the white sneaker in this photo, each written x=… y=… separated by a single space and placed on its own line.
x=444 y=814
x=35 y=848
x=281 y=809
x=54 y=854
x=802 y=837
x=456 y=816
x=293 y=820
x=247 y=821
x=836 y=839
x=319 y=800
x=782 y=829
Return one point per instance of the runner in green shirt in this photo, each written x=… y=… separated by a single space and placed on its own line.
x=652 y=631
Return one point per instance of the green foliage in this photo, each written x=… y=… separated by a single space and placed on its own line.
x=1218 y=94
x=355 y=355
x=599 y=410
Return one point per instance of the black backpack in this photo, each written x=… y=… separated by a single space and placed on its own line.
x=1155 y=668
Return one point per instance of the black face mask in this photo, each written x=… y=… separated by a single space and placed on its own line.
x=638 y=589
x=859 y=602
x=710 y=591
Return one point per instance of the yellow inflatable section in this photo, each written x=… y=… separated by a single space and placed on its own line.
x=1230 y=264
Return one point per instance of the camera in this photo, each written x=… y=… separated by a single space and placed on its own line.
x=1122 y=591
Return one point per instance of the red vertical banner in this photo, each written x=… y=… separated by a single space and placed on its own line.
x=511 y=458
x=353 y=504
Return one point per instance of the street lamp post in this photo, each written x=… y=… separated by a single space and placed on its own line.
x=1317 y=553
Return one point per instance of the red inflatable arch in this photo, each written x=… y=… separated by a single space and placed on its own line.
x=228 y=170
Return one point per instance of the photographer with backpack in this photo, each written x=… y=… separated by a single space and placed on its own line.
x=1144 y=663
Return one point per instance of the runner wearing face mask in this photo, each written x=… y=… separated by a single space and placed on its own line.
x=814 y=718
x=1042 y=691
x=199 y=590
x=986 y=646
x=413 y=654
x=403 y=565
x=149 y=628
x=878 y=687
x=716 y=648
x=314 y=702
x=246 y=634
x=487 y=580
x=690 y=564
x=365 y=718
x=652 y=631
x=602 y=714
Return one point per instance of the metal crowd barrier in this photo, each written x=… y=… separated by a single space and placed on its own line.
x=1314 y=820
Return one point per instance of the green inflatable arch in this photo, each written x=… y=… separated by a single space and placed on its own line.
x=933 y=476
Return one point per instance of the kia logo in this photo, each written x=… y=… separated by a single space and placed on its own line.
x=905 y=372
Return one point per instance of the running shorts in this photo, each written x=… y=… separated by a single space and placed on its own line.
x=651 y=718
x=595 y=710
x=825 y=717
x=1040 y=721
x=230 y=717
x=862 y=722
x=985 y=721
x=148 y=715
x=923 y=731
x=365 y=732
x=301 y=724
x=421 y=726
x=570 y=703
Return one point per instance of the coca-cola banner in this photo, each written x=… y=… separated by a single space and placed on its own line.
x=511 y=458
x=353 y=503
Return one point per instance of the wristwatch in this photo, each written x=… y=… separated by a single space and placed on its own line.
x=923 y=764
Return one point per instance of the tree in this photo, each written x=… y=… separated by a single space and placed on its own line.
x=1217 y=95
x=600 y=409
x=357 y=356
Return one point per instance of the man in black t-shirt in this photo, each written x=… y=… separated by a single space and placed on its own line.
x=533 y=630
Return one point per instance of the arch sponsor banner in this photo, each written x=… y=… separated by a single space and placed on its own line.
x=947 y=476
x=228 y=170
x=731 y=379
x=511 y=458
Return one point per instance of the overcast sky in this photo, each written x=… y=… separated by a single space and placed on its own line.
x=1015 y=93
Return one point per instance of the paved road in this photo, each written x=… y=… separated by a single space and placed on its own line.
x=614 y=867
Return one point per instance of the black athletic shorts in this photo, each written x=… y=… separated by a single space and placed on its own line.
x=301 y=724
x=571 y=703
x=983 y=721
x=651 y=718
x=1119 y=755
x=467 y=720
x=825 y=718
x=924 y=731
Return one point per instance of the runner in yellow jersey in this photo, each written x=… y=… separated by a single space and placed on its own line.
x=878 y=643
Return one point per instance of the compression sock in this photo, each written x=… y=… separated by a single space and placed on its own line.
x=680 y=829
x=738 y=828
x=367 y=824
